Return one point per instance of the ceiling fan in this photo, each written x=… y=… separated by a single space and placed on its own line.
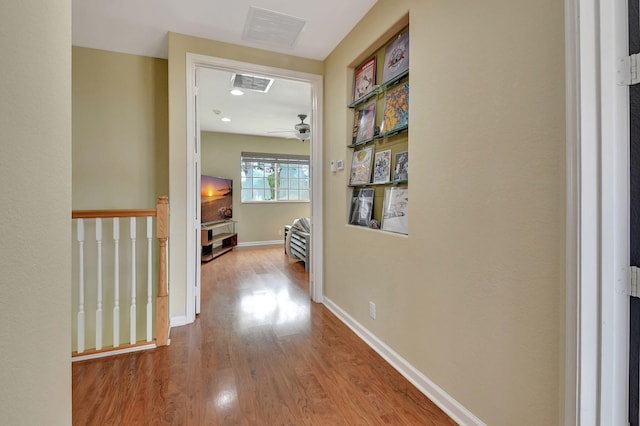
x=302 y=130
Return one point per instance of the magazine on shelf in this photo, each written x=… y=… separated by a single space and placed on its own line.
x=364 y=78
x=396 y=108
x=382 y=166
x=395 y=210
x=401 y=168
x=361 y=206
x=361 y=166
x=364 y=122
x=396 y=57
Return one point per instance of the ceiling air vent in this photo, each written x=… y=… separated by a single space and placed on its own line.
x=251 y=82
x=267 y=26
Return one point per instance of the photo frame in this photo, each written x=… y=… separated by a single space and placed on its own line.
x=364 y=79
x=364 y=122
x=396 y=108
x=401 y=167
x=361 y=206
x=395 y=210
x=361 y=166
x=382 y=166
x=396 y=57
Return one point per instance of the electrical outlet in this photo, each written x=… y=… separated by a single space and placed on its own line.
x=372 y=310
x=280 y=232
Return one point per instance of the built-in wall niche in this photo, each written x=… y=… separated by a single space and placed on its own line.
x=379 y=143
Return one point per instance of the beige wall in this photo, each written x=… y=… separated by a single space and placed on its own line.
x=256 y=221
x=473 y=297
x=179 y=46
x=35 y=171
x=120 y=160
x=120 y=130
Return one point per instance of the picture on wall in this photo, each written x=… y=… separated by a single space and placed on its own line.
x=396 y=57
x=382 y=166
x=364 y=122
x=401 y=168
x=396 y=108
x=395 y=210
x=361 y=166
x=361 y=206
x=364 y=78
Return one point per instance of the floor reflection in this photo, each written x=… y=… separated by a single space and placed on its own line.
x=273 y=306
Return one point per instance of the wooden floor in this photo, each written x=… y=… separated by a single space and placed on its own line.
x=260 y=353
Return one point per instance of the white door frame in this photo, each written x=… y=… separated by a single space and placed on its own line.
x=597 y=255
x=193 y=61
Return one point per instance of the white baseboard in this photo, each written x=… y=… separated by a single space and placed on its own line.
x=178 y=321
x=261 y=243
x=453 y=408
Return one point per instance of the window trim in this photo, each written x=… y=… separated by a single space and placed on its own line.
x=276 y=160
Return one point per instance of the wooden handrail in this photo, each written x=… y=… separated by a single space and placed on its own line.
x=94 y=214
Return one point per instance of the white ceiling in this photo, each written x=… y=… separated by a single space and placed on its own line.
x=140 y=27
x=270 y=114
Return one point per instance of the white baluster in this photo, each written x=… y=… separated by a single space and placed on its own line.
x=81 y=285
x=99 y=292
x=132 y=310
x=116 y=282
x=149 y=277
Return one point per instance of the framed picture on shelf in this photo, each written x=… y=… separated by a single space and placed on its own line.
x=395 y=210
x=396 y=108
x=361 y=206
x=364 y=122
x=396 y=57
x=401 y=168
x=382 y=166
x=364 y=78
x=361 y=166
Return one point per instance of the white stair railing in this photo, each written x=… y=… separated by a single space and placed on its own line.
x=149 y=279
x=133 y=264
x=116 y=282
x=99 y=281
x=132 y=308
x=80 y=316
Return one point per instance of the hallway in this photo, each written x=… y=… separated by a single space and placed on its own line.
x=260 y=353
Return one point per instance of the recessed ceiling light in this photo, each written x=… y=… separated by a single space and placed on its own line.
x=225 y=119
x=236 y=92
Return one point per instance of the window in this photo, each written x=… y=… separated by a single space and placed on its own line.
x=274 y=177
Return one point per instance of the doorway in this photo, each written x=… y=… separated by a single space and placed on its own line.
x=195 y=62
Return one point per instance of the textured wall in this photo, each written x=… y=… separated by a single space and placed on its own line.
x=473 y=297
x=35 y=171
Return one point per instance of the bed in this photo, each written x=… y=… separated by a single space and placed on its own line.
x=297 y=240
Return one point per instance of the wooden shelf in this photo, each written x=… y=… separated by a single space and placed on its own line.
x=217 y=251
x=218 y=224
x=226 y=240
x=220 y=237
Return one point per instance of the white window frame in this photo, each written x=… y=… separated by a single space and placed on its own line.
x=276 y=160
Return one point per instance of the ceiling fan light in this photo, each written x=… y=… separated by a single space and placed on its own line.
x=303 y=130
